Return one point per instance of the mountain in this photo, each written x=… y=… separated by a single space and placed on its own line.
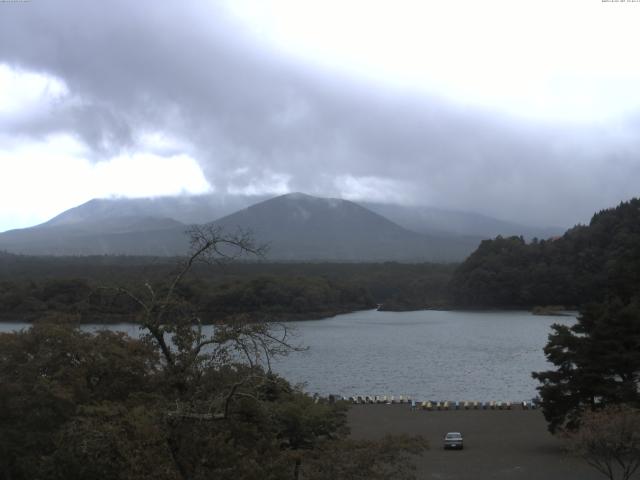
x=187 y=209
x=296 y=226
x=196 y=209
x=430 y=220
x=128 y=235
x=129 y=226
x=302 y=227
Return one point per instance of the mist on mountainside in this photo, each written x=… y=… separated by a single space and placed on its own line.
x=295 y=226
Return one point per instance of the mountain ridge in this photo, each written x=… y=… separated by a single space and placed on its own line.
x=341 y=230
x=300 y=226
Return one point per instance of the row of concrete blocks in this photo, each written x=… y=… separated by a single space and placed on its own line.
x=444 y=405
x=492 y=405
x=379 y=399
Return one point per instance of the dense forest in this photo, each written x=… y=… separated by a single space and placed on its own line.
x=88 y=287
x=587 y=264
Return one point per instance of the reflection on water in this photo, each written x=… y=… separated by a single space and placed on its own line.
x=426 y=354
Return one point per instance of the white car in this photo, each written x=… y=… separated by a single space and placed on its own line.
x=453 y=440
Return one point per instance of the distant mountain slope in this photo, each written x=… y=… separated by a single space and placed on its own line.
x=112 y=236
x=299 y=226
x=586 y=264
x=430 y=220
x=190 y=209
x=122 y=226
x=206 y=208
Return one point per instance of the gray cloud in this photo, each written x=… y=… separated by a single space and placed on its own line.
x=256 y=120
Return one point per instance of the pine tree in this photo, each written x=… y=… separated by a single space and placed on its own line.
x=597 y=363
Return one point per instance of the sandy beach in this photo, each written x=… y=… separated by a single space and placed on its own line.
x=499 y=444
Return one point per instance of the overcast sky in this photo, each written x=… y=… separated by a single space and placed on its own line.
x=524 y=110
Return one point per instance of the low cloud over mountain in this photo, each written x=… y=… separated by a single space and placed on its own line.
x=189 y=85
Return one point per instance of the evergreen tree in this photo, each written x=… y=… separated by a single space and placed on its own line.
x=597 y=363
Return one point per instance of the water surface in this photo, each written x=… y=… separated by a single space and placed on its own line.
x=426 y=354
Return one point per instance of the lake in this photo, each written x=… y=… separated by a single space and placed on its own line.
x=438 y=355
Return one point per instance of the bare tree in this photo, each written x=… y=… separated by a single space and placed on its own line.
x=174 y=326
x=609 y=441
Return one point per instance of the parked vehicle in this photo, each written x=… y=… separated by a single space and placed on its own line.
x=453 y=440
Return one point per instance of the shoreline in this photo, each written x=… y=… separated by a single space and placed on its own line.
x=114 y=319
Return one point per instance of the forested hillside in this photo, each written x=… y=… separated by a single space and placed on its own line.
x=586 y=264
x=33 y=286
x=262 y=297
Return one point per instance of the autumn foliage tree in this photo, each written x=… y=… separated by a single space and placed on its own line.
x=609 y=441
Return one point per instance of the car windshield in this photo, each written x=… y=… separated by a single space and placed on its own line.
x=452 y=436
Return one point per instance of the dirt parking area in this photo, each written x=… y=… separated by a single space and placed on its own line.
x=499 y=444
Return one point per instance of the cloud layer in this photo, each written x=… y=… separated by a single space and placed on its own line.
x=185 y=80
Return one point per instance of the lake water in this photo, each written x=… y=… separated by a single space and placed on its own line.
x=438 y=355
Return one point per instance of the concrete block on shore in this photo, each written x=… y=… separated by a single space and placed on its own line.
x=431 y=405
